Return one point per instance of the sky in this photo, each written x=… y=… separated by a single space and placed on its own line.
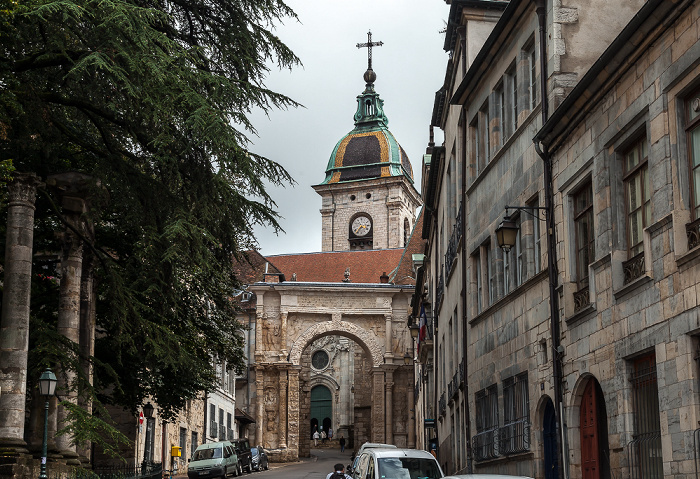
x=410 y=68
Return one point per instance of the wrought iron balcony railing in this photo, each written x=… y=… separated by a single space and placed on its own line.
x=515 y=437
x=451 y=252
x=442 y=405
x=485 y=445
x=582 y=298
x=440 y=287
x=634 y=267
x=693 y=231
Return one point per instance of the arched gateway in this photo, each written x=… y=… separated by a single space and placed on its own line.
x=375 y=393
x=338 y=318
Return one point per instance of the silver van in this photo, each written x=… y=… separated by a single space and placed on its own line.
x=214 y=459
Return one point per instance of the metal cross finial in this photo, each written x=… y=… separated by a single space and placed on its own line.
x=369 y=46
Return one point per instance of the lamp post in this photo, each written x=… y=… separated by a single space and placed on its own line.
x=147 y=414
x=47 y=388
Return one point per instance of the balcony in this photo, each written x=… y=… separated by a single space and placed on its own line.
x=452 y=246
x=693 y=232
x=485 y=445
x=515 y=437
x=582 y=298
x=462 y=373
x=455 y=384
x=450 y=390
x=440 y=288
x=442 y=405
x=633 y=268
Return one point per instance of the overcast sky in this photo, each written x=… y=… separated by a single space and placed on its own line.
x=410 y=68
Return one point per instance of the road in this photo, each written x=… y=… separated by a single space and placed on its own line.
x=317 y=466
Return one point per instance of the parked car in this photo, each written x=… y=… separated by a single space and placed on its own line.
x=242 y=446
x=379 y=463
x=259 y=459
x=367 y=445
x=485 y=476
x=213 y=459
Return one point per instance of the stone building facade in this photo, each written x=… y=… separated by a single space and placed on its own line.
x=599 y=379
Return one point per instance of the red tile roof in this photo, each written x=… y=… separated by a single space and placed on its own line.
x=366 y=266
x=404 y=273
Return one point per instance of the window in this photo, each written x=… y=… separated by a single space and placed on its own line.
x=485 y=443
x=636 y=179
x=491 y=274
x=693 y=136
x=532 y=76
x=513 y=95
x=536 y=238
x=500 y=111
x=583 y=229
x=474 y=133
x=194 y=443
x=507 y=260
x=483 y=134
x=646 y=440
x=513 y=263
x=476 y=259
x=212 y=421
x=515 y=436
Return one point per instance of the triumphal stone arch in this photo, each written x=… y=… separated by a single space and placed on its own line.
x=364 y=328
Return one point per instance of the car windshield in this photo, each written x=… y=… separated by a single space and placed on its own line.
x=211 y=453
x=408 y=468
x=254 y=450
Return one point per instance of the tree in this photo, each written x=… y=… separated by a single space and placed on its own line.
x=151 y=99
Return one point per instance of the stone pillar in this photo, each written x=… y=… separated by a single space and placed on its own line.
x=293 y=413
x=388 y=353
x=411 y=416
x=283 y=335
x=14 y=325
x=259 y=406
x=258 y=327
x=389 y=394
x=283 y=409
x=378 y=402
x=87 y=333
x=69 y=317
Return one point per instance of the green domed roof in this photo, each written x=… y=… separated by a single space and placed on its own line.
x=369 y=151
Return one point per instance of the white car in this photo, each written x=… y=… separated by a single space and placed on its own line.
x=395 y=463
x=485 y=476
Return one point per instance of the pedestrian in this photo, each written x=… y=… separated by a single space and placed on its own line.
x=316 y=436
x=338 y=473
x=342 y=443
x=324 y=437
x=330 y=433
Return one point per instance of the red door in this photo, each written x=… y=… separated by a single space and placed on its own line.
x=589 y=433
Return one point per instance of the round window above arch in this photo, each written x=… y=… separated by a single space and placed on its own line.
x=320 y=359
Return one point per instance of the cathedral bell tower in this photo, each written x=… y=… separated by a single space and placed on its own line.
x=368 y=197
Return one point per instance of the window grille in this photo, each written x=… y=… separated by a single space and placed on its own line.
x=645 y=449
x=515 y=433
x=485 y=442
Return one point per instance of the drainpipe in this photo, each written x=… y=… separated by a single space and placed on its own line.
x=543 y=152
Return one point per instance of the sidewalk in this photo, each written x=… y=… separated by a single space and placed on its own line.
x=272 y=465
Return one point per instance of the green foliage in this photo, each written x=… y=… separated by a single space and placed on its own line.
x=85 y=428
x=151 y=99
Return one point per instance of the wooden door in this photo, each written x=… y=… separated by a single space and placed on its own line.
x=589 y=433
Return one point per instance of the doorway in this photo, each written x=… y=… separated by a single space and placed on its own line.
x=549 y=433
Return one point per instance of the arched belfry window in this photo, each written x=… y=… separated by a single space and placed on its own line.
x=369 y=108
x=406 y=231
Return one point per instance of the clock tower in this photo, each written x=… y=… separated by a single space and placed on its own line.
x=368 y=197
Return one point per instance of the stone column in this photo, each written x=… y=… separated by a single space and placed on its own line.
x=72 y=193
x=283 y=335
x=389 y=390
x=283 y=409
x=293 y=413
x=388 y=353
x=14 y=325
x=259 y=406
x=87 y=332
x=258 y=327
x=378 y=403
x=411 y=416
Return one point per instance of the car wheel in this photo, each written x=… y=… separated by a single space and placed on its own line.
x=267 y=465
x=225 y=473
x=235 y=471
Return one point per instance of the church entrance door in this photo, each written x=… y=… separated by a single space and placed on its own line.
x=321 y=408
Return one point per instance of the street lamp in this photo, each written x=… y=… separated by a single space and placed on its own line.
x=506 y=234
x=407 y=358
x=47 y=388
x=148 y=414
x=415 y=329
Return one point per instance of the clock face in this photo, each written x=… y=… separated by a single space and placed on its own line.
x=361 y=225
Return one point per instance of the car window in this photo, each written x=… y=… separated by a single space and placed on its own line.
x=253 y=450
x=370 y=469
x=358 y=470
x=210 y=453
x=227 y=451
x=407 y=468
